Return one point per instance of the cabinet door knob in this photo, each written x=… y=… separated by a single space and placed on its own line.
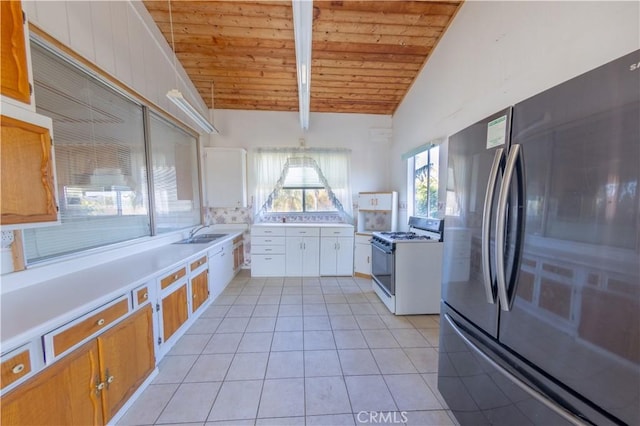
x=100 y=321
x=176 y=276
x=110 y=379
x=99 y=387
x=145 y=296
x=18 y=369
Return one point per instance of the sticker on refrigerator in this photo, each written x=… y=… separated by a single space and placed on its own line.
x=497 y=132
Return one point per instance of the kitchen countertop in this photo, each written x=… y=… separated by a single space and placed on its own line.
x=305 y=224
x=40 y=308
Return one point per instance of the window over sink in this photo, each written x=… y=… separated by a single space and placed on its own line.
x=303 y=181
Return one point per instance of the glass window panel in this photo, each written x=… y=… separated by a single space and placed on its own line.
x=423 y=182
x=317 y=200
x=100 y=161
x=287 y=200
x=174 y=158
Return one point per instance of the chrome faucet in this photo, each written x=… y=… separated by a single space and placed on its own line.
x=195 y=230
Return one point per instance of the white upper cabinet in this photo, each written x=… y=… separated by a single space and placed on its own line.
x=377 y=201
x=225 y=177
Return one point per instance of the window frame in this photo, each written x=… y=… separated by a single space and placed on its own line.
x=304 y=201
x=92 y=72
x=411 y=179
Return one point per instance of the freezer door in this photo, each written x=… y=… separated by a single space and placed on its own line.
x=484 y=385
x=476 y=158
x=576 y=313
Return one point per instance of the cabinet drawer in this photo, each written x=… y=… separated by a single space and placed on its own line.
x=267 y=241
x=16 y=365
x=172 y=278
x=140 y=295
x=274 y=231
x=84 y=328
x=363 y=239
x=267 y=249
x=302 y=232
x=198 y=263
x=266 y=265
x=336 y=232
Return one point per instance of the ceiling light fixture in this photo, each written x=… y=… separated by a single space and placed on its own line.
x=302 y=30
x=176 y=97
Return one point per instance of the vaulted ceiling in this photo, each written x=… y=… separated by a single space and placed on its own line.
x=365 y=54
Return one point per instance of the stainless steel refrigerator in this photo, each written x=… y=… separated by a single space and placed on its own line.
x=541 y=290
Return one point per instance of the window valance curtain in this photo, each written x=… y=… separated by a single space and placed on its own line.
x=333 y=167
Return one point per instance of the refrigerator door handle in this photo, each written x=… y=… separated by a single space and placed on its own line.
x=534 y=393
x=486 y=224
x=514 y=161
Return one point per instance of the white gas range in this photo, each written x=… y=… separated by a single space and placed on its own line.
x=406 y=267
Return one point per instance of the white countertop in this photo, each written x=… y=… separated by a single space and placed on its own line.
x=40 y=308
x=305 y=224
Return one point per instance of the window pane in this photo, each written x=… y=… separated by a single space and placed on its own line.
x=100 y=161
x=317 y=200
x=421 y=184
x=434 y=169
x=425 y=182
x=287 y=200
x=174 y=158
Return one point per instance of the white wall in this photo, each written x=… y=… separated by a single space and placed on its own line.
x=122 y=39
x=496 y=54
x=358 y=132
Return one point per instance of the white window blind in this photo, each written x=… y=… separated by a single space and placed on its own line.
x=174 y=159
x=100 y=161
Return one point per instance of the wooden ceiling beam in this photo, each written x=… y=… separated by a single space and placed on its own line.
x=388 y=14
x=323 y=70
x=330 y=63
x=221 y=20
x=267 y=8
x=360 y=78
x=229 y=32
x=379 y=29
x=339 y=46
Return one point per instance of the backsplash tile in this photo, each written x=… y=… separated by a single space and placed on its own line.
x=376 y=221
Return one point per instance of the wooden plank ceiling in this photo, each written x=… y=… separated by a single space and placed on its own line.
x=365 y=54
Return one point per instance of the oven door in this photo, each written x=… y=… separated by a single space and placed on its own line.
x=383 y=268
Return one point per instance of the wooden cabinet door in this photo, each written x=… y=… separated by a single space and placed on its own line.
x=199 y=290
x=63 y=394
x=15 y=72
x=27 y=173
x=126 y=359
x=174 y=312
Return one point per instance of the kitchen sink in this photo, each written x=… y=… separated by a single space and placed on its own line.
x=201 y=239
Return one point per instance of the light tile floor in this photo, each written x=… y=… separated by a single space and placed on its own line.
x=298 y=351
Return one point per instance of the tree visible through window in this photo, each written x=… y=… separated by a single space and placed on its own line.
x=302 y=190
x=423 y=181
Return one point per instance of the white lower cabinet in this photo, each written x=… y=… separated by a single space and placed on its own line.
x=220 y=268
x=362 y=256
x=302 y=252
x=267 y=251
x=336 y=251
